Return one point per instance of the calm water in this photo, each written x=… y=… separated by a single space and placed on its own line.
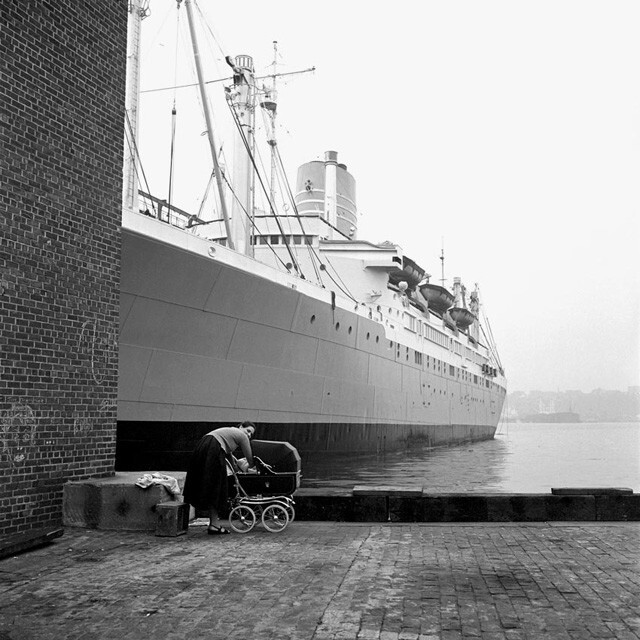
x=523 y=458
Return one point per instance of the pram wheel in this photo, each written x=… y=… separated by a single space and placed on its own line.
x=275 y=518
x=242 y=519
x=291 y=512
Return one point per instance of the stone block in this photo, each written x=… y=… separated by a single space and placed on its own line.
x=622 y=507
x=517 y=508
x=591 y=491
x=455 y=508
x=383 y=490
x=317 y=507
x=571 y=507
x=369 y=508
x=539 y=507
x=406 y=508
x=111 y=505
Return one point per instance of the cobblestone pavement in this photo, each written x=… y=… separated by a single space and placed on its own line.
x=330 y=580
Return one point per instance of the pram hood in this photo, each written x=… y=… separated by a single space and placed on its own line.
x=282 y=456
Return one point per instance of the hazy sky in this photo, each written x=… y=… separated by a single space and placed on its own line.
x=507 y=130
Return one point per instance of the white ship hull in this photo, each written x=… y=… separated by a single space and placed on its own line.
x=210 y=337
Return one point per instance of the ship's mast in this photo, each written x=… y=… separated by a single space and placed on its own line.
x=242 y=98
x=130 y=178
x=207 y=115
x=270 y=104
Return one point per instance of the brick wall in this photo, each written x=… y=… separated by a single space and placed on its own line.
x=62 y=65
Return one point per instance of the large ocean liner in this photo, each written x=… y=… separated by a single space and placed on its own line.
x=324 y=340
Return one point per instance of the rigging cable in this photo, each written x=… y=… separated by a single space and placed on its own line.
x=275 y=253
x=173 y=120
x=133 y=146
x=312 y=252
x=253 y=162
x=314 y=258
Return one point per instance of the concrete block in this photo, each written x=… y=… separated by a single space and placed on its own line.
x=571 y=507
x=516 y=508
x=406 y=508
x=172 y=519
x=369 y=509
x=316 y=507
x=621 y=507
x=591 y=491
x=383 y=490
x=455 y=508
x=111 y=505
x=540 y=508
x=80 y=505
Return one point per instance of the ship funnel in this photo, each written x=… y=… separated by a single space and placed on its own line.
x=325 y=189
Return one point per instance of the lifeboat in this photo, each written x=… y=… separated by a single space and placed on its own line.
x=438 y=297
x=410 y=273
x=462 y=317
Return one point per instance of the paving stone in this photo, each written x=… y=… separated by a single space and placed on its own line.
x=329 y=581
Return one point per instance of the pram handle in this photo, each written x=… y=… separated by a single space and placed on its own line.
x=262 y=467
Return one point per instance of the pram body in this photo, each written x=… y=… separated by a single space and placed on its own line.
x=267 y=495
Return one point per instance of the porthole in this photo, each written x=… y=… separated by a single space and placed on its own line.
x=377 y=339
x=337 y=325
x=349 y=332
x=368 y=335
x=313 y=319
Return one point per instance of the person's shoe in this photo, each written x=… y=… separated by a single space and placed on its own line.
x=216 y=531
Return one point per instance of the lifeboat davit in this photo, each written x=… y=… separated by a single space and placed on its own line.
x=462 y=317
x=438 y=297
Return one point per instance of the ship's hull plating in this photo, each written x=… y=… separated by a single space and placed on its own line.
x=204 y=343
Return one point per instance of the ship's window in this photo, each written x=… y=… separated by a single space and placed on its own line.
x=349 y=331
x=307 y=239
x=275 y=239
x=452 y=370
x=264 y=240
x=297 y=239
x=377 y=339
x=337 y=325
x=368 y=335
x=313 y=319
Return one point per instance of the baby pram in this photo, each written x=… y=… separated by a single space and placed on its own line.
x=266 y=495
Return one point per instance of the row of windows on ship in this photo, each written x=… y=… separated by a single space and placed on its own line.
x=276 y=239
x=439 y=366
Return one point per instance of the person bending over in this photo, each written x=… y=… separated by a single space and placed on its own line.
x=205 y=486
